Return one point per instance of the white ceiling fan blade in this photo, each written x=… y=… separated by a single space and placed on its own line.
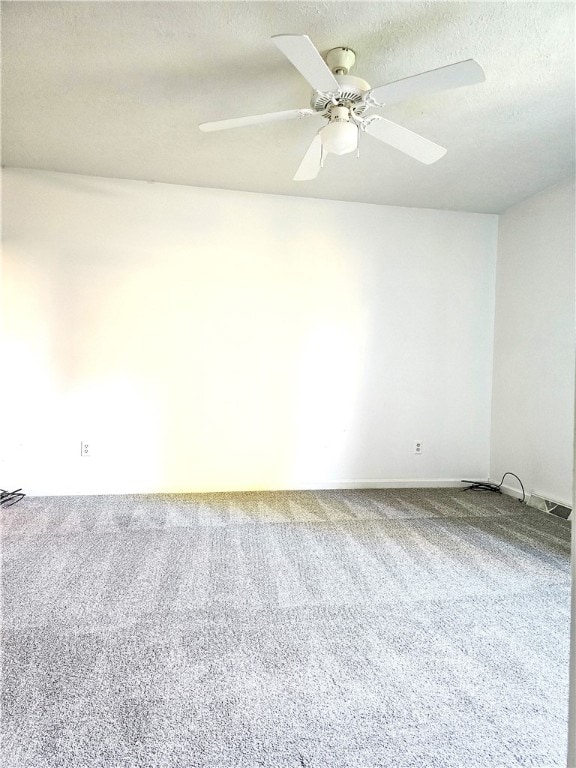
x=406 y=141
x=270 y=117
x=310 y=164
x=467 y=72
x=301 y=51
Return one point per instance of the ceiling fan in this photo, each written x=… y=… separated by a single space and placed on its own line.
x=344 y=99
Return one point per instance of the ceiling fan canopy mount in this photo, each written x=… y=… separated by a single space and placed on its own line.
x=340 y=60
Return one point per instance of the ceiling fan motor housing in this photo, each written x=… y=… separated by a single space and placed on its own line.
x=351 y=95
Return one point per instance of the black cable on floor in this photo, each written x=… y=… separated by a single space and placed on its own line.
x=8 y=498
x=480 y=486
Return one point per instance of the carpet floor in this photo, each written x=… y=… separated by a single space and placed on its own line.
x=317 y=629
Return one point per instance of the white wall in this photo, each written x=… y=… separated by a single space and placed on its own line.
x=533 y=392
x=201 y=339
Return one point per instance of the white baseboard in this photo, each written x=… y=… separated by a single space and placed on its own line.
x=545 y=503
x=304 y=486
x=517 y=494
x=375 y=483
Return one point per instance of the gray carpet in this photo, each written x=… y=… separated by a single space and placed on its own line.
x=328 y=629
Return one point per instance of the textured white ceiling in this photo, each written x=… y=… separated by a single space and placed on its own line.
x=118 y=88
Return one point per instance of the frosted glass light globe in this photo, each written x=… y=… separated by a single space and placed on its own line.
x=339 y=137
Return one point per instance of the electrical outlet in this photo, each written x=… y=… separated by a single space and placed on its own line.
x=85 y=449
x=418 y=447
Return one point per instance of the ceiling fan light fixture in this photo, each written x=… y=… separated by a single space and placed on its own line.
x=340 y=136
